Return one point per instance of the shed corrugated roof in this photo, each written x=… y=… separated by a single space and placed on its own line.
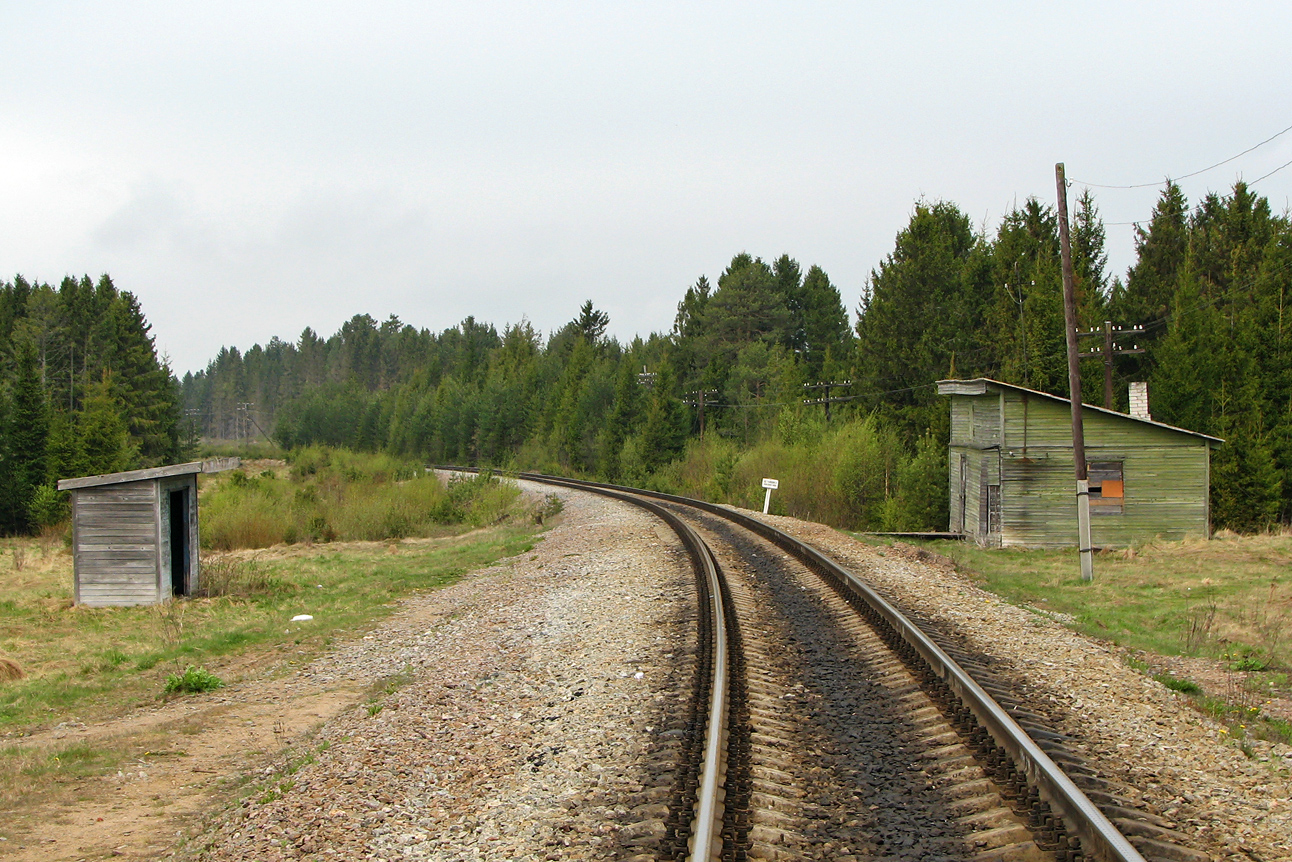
x=978 y=386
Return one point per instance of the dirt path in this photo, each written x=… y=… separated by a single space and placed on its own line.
x=195 y=752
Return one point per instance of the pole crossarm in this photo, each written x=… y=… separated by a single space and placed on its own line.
x=1110 y=348
x=827 y=400
x=698 y=399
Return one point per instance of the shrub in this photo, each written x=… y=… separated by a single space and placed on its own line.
x=193 y=680
x=48 y=507
x=334 y=494
x=548 y=509
x=228 y=576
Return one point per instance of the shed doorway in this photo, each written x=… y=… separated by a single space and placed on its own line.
x=179 y=542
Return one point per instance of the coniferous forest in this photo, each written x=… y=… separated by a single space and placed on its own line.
x=82 y=392
x=725 y=396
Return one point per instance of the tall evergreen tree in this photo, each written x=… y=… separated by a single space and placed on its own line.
x=591 y=323
x=24 y=467
x=1089 y=260
x=747 y=306
x=825 y=331
x=105 y=443
x=144 y=385
x=665 y=425
x=1146 y=296
x=1026 y=324
x=923 y=306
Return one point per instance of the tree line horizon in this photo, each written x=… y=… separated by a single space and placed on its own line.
x=1209 y=286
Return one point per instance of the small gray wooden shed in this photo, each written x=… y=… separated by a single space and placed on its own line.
x=134 y=534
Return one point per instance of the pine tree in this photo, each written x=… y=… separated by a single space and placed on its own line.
x=748 y=305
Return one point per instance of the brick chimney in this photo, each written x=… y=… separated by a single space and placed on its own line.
x=1139 y=401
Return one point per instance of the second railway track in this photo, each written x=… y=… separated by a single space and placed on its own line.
x=826 y=725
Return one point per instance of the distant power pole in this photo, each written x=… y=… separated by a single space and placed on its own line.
x=697 y=400
x=646 y=378
x=191 y=435
x=1074 y=384
x=244 y=419
x=827 y=400
x=1109 y=350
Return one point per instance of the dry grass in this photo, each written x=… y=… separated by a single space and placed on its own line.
x=1230 y=597
x=83 y=665
x=332 y=495
x=10 y=670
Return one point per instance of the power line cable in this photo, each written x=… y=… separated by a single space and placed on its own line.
x=1270 y=174
x=1195 y=173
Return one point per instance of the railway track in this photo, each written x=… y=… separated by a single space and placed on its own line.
x=825 y=724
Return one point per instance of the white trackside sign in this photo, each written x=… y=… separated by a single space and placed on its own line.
x=770 y=485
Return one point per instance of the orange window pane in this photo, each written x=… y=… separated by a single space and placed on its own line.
x=1112 y=488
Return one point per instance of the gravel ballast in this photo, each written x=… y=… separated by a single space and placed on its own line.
x=528 y=694
x=524 y=701
x=1174 y=760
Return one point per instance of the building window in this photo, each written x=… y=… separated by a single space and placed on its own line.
x=1107 y=490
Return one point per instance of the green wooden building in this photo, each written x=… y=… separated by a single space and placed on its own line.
x=1011 y=474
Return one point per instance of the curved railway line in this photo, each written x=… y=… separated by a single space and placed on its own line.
x=825 y=724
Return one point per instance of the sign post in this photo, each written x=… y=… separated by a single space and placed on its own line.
x=770 y=485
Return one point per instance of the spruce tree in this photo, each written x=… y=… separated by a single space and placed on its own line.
x=1145 y=299
x=27 y=434
x=104 y=442
x=664 y=429
x=824 y=322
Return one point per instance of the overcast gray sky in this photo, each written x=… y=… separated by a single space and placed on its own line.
x=250 y=169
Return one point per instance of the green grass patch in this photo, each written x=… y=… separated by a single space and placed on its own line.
x=1228 y=599
x=194 y=680
x=1186 y=686
x=96 y=662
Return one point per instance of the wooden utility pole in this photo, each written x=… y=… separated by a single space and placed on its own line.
x=1074 y=384
x=827 y=400
x=697 y=400
x=1111 y=349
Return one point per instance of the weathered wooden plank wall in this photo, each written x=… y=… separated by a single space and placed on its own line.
x=1165 y=476
x=115 y=542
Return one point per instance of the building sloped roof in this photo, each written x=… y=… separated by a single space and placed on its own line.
x=978 y=386
x=214 y=465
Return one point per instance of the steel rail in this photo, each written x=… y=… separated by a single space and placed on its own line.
x=1100 y=839
x=706 y=841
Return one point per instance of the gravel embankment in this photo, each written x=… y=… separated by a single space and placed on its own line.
x=522 y=731
x=528 y=703
x=1139 y=732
